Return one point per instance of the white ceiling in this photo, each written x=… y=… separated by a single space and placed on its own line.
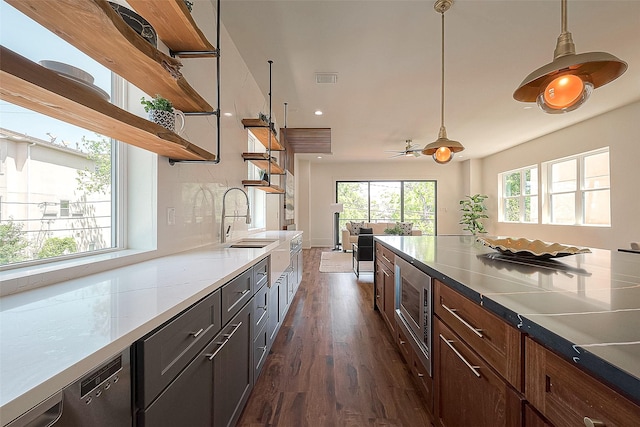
x=387 y=56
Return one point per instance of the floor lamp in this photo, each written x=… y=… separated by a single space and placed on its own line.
x=336 y=208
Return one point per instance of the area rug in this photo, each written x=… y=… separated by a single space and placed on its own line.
x=340 y=262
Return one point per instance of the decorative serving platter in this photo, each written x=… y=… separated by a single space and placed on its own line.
x=531 y=248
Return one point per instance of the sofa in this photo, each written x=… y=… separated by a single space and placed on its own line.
x=351 y=232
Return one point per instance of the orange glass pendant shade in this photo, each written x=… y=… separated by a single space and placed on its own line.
x=564 y=93
x=443 y=155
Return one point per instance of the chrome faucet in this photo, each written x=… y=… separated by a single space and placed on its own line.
x=223 y=233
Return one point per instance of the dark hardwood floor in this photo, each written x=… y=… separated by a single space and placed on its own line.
x=334 y=362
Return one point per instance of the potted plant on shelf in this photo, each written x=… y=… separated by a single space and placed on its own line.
x=473 y=211
x=161 y=111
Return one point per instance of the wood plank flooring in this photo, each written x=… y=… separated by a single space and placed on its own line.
x=334 y=362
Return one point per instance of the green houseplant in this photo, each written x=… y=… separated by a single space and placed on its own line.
x=157 y=103
x=395 y=231
x=161 y=111
x=473 y=211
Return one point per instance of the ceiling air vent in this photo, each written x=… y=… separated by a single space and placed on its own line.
x=327 y=78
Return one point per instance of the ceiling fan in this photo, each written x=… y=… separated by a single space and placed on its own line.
x=409 y=150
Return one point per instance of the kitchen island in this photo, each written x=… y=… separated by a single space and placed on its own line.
x=585 y=308
x=52 y=335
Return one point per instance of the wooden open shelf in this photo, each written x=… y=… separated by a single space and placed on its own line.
x=32 y=86
x=260 y=129
x=175 y=26
x=264 y=186
x=261 y=160
x=97 y=30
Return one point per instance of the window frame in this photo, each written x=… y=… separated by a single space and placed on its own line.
x=402 y=183
x=502 y=215
x=65 y=208
x=579 y=192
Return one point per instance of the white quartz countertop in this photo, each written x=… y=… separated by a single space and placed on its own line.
x=51 y=336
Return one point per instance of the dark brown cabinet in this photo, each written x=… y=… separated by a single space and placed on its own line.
x=416 y=367
x=468 y=391
x=567 y=396
x=491 y=337
x=385 y=285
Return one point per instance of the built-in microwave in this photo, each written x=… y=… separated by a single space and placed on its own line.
x=414 y=306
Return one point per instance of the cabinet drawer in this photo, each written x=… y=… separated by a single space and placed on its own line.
x=260 y=309
x=468 y=391
x=565 y=395
x=168 y=350
x=260 y=351
x=385 y=255
x=235 y=295
x=491 y=337
x=403 y=345
x=260 y=274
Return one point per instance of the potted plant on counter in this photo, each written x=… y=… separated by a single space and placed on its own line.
x=473 y=211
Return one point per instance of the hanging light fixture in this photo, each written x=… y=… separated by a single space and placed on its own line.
x=566 y=83
x=443 y=148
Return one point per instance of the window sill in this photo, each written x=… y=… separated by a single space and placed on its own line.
x=34 y=276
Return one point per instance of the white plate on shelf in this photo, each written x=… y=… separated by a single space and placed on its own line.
x=531 y=248
x=76 y=75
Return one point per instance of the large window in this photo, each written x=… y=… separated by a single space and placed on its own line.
x=56 y=187
x=389 y=201
x=519 y=195
x=578 y=190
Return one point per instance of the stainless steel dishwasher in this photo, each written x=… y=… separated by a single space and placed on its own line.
x=101 y=398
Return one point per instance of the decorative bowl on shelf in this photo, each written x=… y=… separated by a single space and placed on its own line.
x=74 y=74
x=137 y=23
x=531 y=248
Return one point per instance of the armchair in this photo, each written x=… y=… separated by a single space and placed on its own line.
x=362 y=251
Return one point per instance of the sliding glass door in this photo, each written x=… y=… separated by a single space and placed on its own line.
x=389 y=201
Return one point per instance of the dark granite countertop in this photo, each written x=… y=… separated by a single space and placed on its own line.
x=585 y=307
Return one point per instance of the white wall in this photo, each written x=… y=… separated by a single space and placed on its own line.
x=618 y=129
x=321 y=184
x=187 y=187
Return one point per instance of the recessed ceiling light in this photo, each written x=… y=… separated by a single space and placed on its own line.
x=319 y=157
x=318 y=113
x=228 y=114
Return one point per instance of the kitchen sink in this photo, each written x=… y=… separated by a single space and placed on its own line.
x=251 y=243
x=248 y=245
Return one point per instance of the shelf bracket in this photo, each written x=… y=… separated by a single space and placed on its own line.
x=216 y=112
x=186 y=54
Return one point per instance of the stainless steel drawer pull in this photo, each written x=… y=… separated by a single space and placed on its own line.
x=388 y=260
x=464 y=322
x=246 y=291
x=385 y=273
x=227 y=337
x=195 y=334
x=263 y=307
x=588 y=422
x=221 y=344
x=474 y=369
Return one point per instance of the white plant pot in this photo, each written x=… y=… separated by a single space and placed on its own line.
x=167 y=119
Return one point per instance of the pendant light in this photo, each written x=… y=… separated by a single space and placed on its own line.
x=443 y=148
x=566 y=83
